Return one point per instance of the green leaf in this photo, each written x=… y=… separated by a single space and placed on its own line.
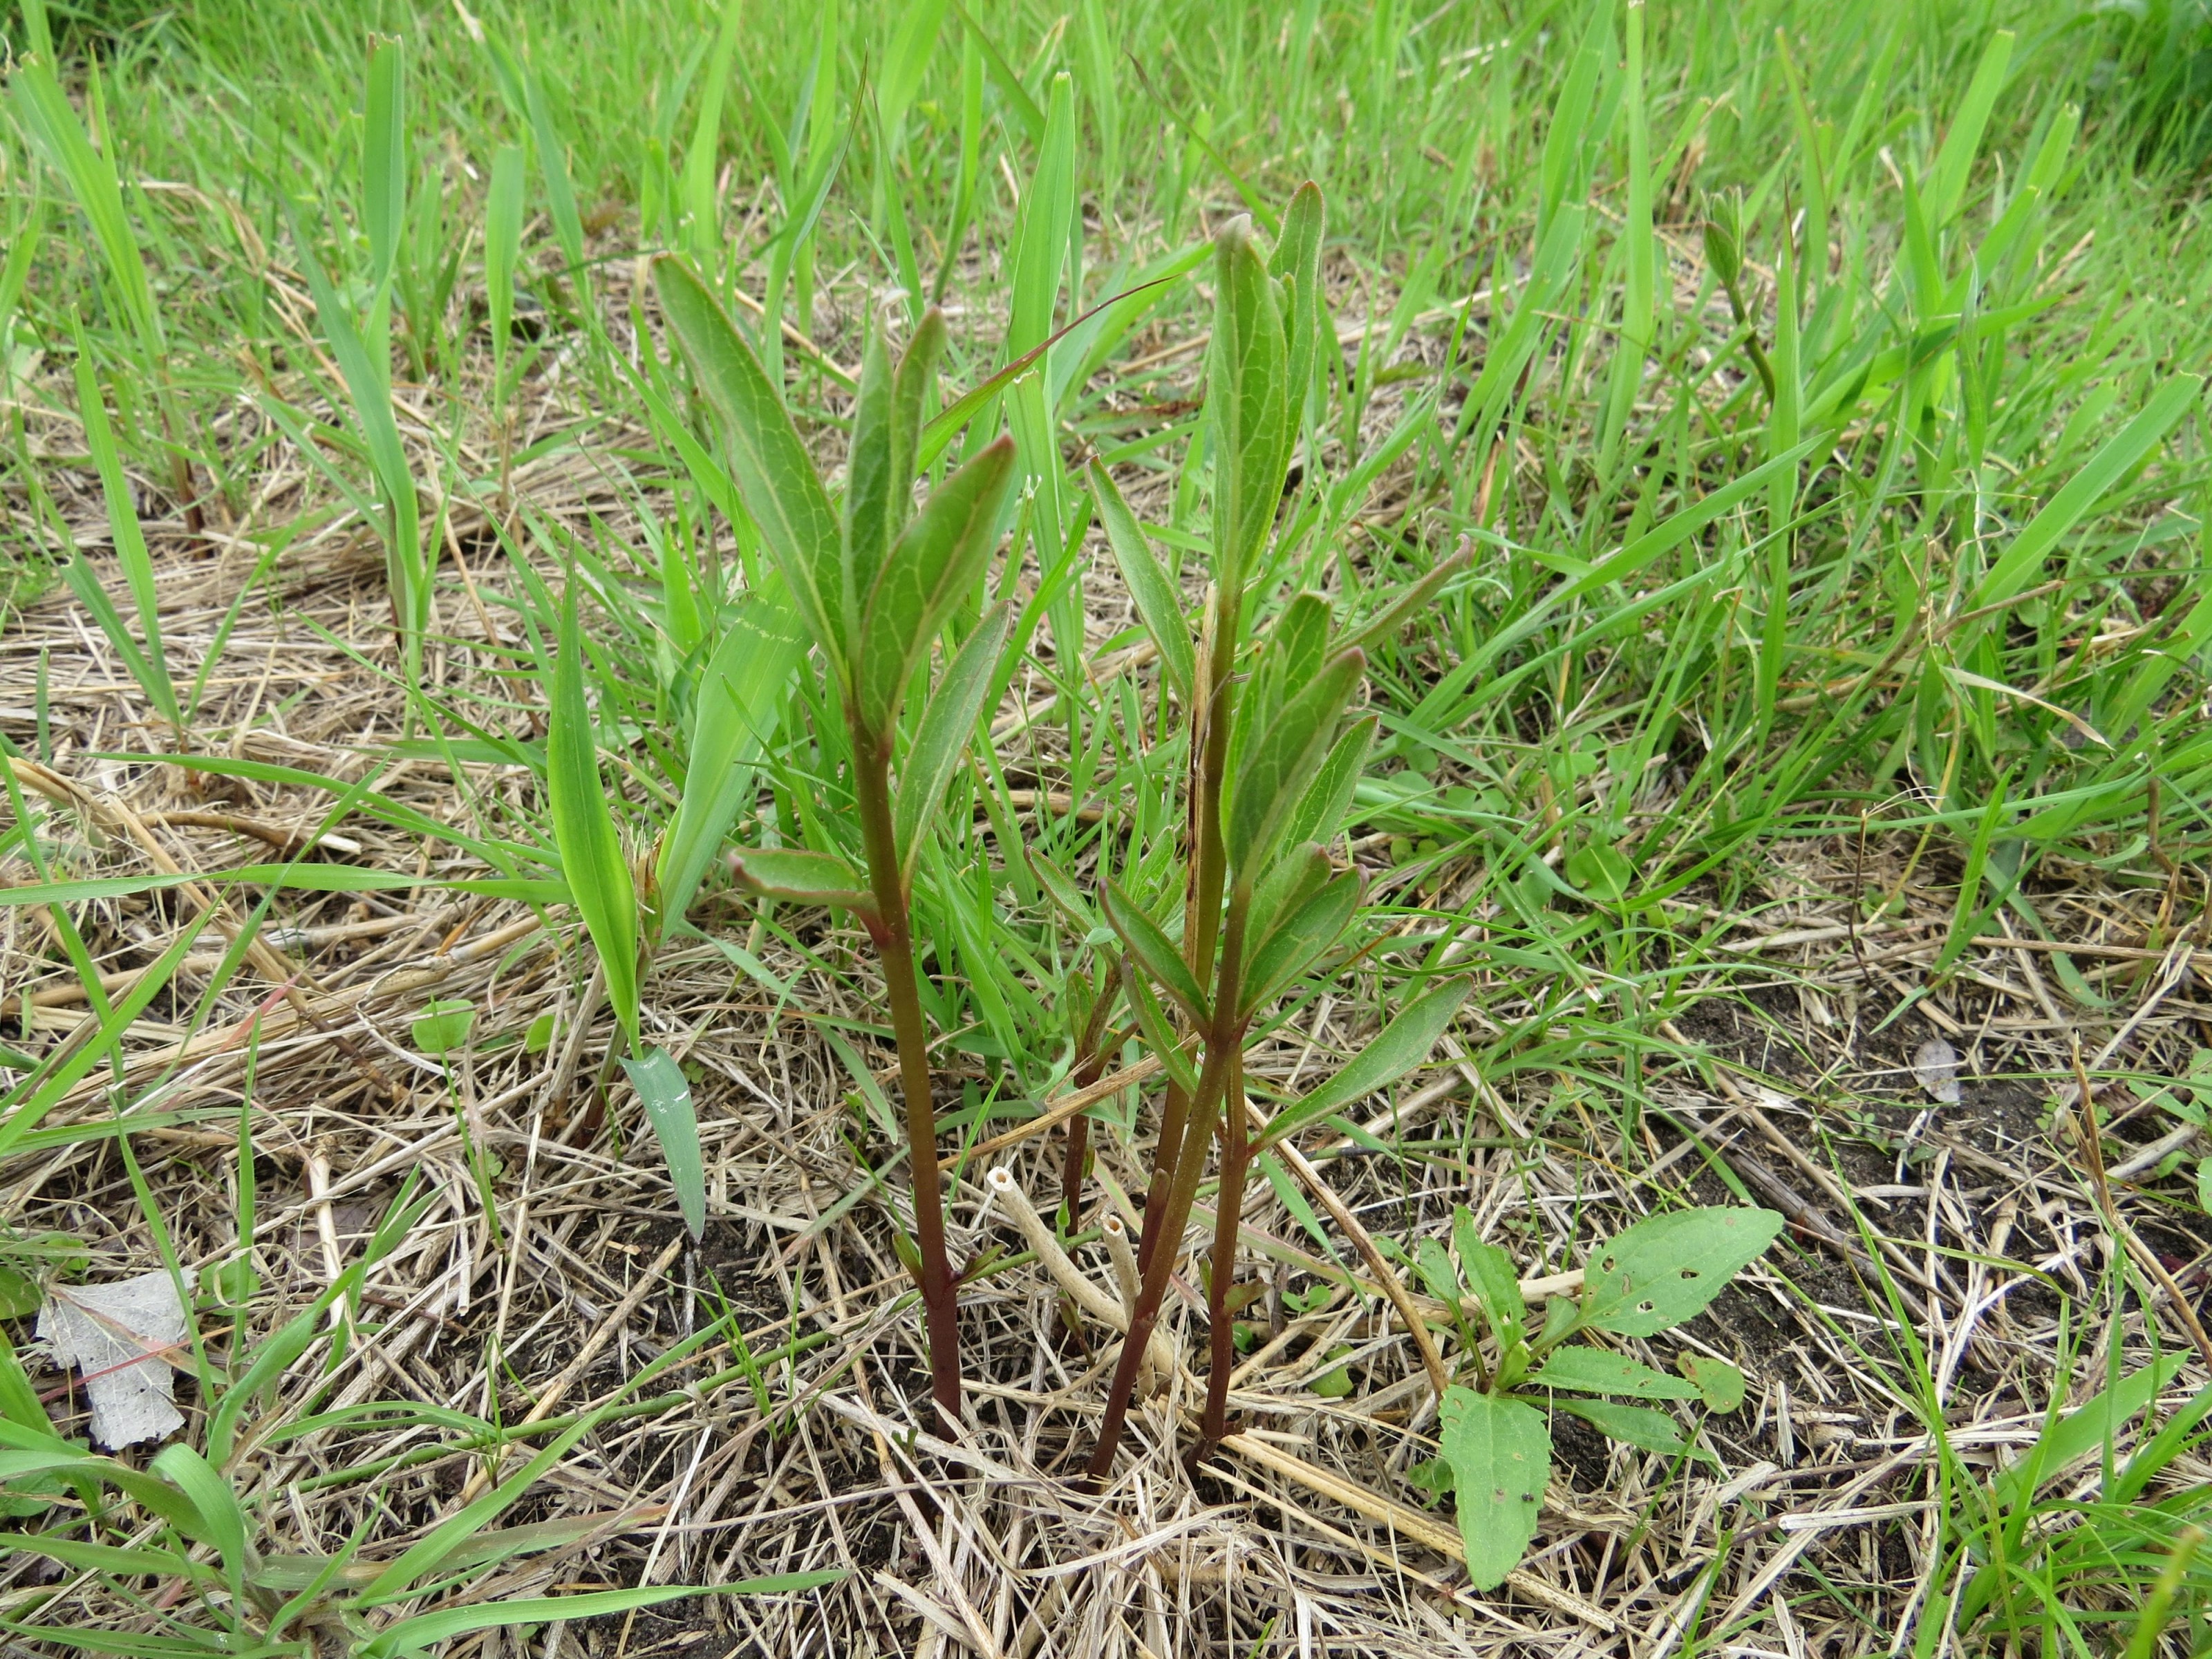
x=1718 y=1383
x=1400 y=1046
x=872 y=486
x=502 y=245
x=1639 y=1426
x=1246 y=397
x=1300 y=938
x=1040 y=240
x=1435 y=1264
x=803 y=877
x=301 y=877
x=1284 y=759
x=1151 y=948
x=1589 y=1371
x=1409 y=601
x=427 y=1630
x=1297 y=259
x=774 y=474
x=444 y=1025
x=150 y=668
x=1152 y=1022
x=539 y=1037
x=2093 y=1426
x=1666 y=1268
x=584 y=826
x=2021 y=562
x=53 y=126
x=734 y=718
x=1319 y=815
x=1059 y=887
x=1500 y=1453
x=1599 y=870
x=666 y=1095
x=218 y=1507
x=910 y=384
x=1336 y=1383
x=907 y=57
x=1490 y=1275
x=948 y=727
x=1297 y=645
x=384 y=157
x=934 y=566
x=1295 y=877
x=19 y=1294
x=1158 y=602
x=365 y=366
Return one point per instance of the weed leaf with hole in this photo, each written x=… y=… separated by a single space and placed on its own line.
x=1666 y=1268
x=1500 y=1453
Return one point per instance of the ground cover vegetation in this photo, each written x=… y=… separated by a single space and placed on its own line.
x=931 y=826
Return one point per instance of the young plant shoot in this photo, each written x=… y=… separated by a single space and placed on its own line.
x=1271 y=774
x=873 y=584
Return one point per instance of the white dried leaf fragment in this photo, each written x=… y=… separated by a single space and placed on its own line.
x=1935 y=1064
x=115 y=1333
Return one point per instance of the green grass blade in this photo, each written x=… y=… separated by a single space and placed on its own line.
x=1400 y=1046
x=218 y=1506
x=599 y=878
x=503 y=252
x=2131 y=444
x=54 y=127
x=703 y=228
x=152 y=667
x=735 y=717
x=384 y=157
x=666 y=1095
x=1954 y=161
x=905 y=60
x=1159 y=604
